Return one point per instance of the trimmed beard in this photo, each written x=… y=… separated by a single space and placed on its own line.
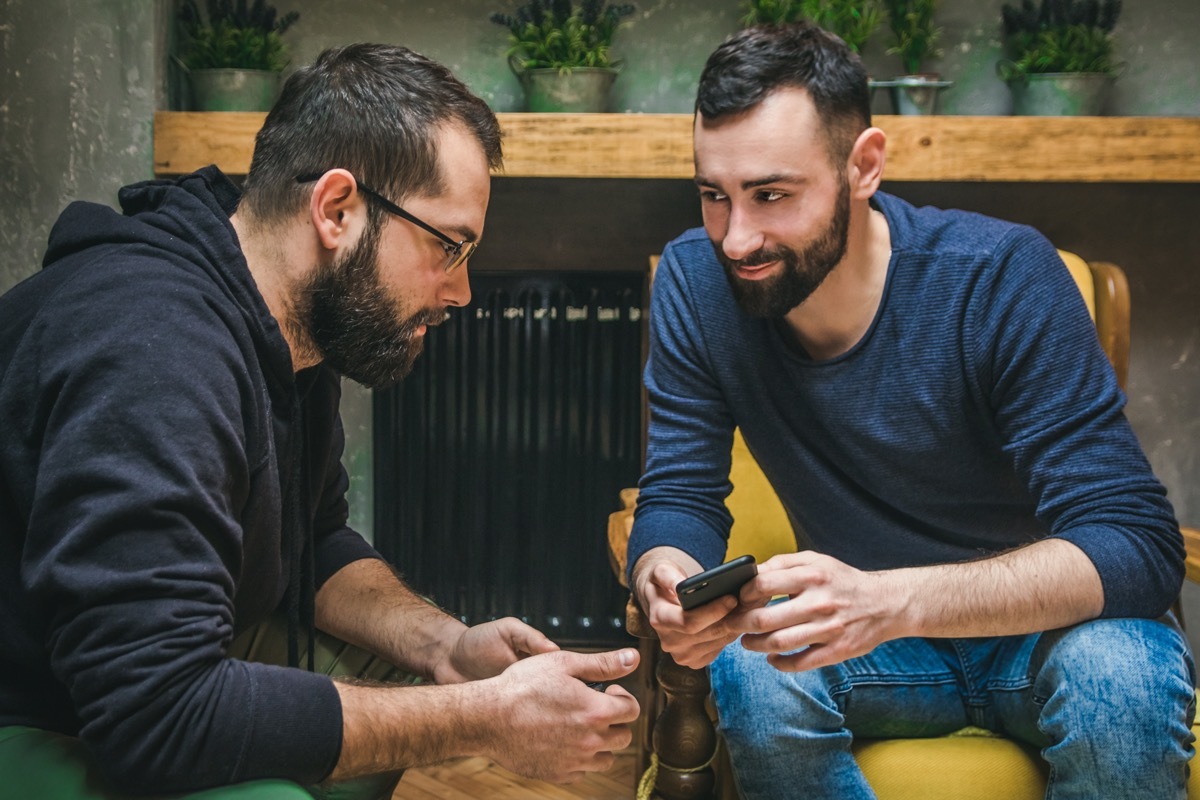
x=355 y=325
x=802 y=272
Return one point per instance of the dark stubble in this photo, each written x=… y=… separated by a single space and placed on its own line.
x=802 y=271
x=357 y=327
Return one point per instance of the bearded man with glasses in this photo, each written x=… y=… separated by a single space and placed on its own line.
x=170 y=477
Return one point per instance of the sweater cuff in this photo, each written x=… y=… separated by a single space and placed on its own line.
x=659 y=527
x=1137 y=580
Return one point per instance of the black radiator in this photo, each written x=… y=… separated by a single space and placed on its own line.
x=498 y=460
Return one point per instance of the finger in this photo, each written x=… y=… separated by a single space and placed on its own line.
x=607 y=666
x=809 y=658
x=779 y=641
x=526 y=640
x=625 y=708
x=787 y=561
x=701 y=619
x=601 y=761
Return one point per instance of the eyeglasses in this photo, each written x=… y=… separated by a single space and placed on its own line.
x=457 y=253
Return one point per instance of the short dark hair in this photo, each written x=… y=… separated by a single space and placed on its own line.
x=758 y=60
x=369 y=108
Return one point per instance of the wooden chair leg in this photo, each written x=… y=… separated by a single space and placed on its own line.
x=684 y=737
x=649 y=698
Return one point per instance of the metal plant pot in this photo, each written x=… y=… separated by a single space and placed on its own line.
x=583 y=89
x=916 y=95
x=233 y=89
x=1060 y=94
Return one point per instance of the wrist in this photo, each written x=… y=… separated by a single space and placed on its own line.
x=442 y=637
x=896 y=590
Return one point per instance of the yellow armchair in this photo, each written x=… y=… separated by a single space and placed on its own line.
x=680 y=757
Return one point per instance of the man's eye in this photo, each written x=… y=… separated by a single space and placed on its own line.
x=710 y=196
x=770 y=197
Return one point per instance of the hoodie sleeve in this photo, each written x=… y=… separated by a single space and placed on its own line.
x=336 y=543
x=141 y=395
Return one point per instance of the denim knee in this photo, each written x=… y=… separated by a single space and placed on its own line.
x=758 y=705
x=1116 y=702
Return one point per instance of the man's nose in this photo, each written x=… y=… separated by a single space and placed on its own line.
x=457 y=291
x=742 y=236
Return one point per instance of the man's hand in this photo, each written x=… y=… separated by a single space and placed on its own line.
x=833 y=611
x=836 y=612
x=486 y=650
x=552 y=725
x=695 y=637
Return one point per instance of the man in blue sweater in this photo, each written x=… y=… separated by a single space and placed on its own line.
x=170 y=472
x=925 y=391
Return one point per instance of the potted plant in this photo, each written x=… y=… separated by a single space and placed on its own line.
x=560 y=52
x=1061 y=53
x=914 y=39
x=854 y=21
x=233 y=54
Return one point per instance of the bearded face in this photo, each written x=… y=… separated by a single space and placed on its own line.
x=358 y=328
x=803 y=270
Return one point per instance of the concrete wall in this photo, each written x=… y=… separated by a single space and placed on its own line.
x=79 y=82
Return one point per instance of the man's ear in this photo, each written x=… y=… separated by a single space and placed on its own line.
x=337 y=209
x=867 y=159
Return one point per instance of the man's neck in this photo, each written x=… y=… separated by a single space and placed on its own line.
x=839 y=313
x=269 y=259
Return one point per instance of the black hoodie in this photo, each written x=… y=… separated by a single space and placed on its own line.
x=161 y=471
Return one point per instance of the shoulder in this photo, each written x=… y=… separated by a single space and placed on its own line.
x=689 y=267
x=954 y=233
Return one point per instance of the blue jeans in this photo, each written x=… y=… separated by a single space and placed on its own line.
x=1109 y=703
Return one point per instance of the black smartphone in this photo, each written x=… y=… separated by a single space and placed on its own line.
x=723 y=579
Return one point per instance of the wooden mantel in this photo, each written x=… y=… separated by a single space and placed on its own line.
x=940 y=148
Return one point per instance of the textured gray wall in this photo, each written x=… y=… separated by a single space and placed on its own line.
x=79 y=83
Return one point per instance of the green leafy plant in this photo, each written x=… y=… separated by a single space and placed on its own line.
x=233 y=35
x=852 y=20
x=1060 y=36
x=914 y=36
x=555 y=34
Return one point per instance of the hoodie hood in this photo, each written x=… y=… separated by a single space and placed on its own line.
x=188 y=218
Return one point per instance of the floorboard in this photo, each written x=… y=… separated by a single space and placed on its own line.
x=475 y=778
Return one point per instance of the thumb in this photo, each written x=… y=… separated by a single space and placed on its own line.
x=529 y=641
x=665 y=576
x=599 y=667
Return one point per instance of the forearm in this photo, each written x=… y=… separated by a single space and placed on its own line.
x=365 y=604
x=1045 y=585
x=391 y=728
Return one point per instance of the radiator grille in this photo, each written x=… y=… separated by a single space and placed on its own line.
x=500 y=457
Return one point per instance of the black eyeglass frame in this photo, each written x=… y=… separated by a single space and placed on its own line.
x=462 y=251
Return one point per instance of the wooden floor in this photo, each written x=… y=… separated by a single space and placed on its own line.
x=475 y=778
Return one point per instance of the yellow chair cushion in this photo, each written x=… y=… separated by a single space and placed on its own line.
x=760 y=525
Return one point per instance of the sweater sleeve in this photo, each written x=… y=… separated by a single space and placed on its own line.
x=135 y=547
x=683 y=489
x=1059 y=413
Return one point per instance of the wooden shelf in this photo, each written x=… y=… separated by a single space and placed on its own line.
x=940 y=148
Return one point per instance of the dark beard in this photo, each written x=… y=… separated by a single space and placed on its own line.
x=356 y=327
x=802 y=272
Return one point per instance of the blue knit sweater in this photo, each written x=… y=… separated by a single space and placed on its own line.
x=978 y=413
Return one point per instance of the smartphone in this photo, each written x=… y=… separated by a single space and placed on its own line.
x=723 y=579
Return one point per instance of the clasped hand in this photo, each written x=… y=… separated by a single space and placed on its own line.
x=549 y=724
x=830 y=612
x=486 y=650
